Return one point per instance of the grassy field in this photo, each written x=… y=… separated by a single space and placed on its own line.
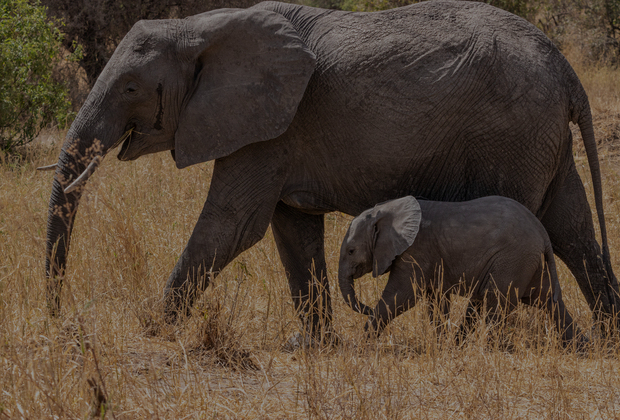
x=227 y=360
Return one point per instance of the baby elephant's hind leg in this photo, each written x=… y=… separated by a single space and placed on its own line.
x=563 y=319
x=548 y=296
x=557 y=311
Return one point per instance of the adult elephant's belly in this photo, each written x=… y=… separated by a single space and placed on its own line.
x=307 y=202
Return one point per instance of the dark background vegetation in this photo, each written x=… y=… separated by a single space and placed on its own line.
x=98 y=26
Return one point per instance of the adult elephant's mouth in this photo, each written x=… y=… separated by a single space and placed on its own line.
x=122 y=154
x=125 y=140
x=136 y=144
x=125 y=154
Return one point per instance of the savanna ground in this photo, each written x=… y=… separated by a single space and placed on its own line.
x=226 y=361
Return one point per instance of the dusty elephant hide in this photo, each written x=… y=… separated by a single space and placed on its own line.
x=308 y=111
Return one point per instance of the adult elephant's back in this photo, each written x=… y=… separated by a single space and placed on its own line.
x=433 y=83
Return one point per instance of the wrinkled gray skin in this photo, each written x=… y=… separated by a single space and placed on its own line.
x=491 y=247
x=308 y=111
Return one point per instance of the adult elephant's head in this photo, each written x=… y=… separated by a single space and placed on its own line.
x=202 y=87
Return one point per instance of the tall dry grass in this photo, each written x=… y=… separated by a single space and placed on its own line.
x=226 y=361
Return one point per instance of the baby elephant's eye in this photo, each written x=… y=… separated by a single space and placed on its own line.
x=351 y=251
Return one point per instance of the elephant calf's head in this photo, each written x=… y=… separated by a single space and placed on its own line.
x=374 y=240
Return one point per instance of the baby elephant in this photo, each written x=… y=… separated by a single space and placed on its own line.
x=491 y=246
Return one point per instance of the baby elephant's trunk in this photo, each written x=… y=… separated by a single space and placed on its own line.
x=348 y=293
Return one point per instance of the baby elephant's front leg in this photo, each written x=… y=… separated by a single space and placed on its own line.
x=394 y=301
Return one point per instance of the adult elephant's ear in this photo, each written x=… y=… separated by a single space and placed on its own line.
x=251 y=71
x=397 y=224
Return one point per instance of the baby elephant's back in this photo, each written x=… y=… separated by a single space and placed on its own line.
x=488 y=236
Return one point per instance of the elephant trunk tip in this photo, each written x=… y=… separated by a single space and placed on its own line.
x=348 y=293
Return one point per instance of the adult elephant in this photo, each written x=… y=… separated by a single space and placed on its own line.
x=307 y=111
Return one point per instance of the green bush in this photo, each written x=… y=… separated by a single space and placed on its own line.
x=30 y=99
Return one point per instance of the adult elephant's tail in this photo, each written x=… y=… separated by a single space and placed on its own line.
x=587 y=132
x=583 y=118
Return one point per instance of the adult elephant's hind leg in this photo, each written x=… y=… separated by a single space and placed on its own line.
x=568 y=220
x=300 y=240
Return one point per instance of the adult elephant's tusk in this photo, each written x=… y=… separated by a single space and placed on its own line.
x=85 y=175
x=48 y=167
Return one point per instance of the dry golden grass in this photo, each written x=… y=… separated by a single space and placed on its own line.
x=227 y=360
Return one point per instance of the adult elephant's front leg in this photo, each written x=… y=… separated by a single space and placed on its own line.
x=300 y=240
x=244 y=191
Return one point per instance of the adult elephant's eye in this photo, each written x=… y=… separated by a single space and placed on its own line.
x=351 y=251
x=131 y=87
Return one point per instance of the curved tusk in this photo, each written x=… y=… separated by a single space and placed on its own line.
x=48 y=167
x=85 y=175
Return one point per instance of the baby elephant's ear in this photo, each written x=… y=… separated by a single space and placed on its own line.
x=397 y=224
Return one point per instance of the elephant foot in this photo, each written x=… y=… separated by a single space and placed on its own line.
x=155 y=321
x=582 y=344
x=606 y=325
x=53 y=288
x=306 y=341
x=176 y=305
x=299 y=341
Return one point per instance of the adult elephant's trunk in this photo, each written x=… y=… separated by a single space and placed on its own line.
x=60 y=217
x=348 y=293
x=87 y=142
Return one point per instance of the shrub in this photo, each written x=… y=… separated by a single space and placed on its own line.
x=30 y=99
